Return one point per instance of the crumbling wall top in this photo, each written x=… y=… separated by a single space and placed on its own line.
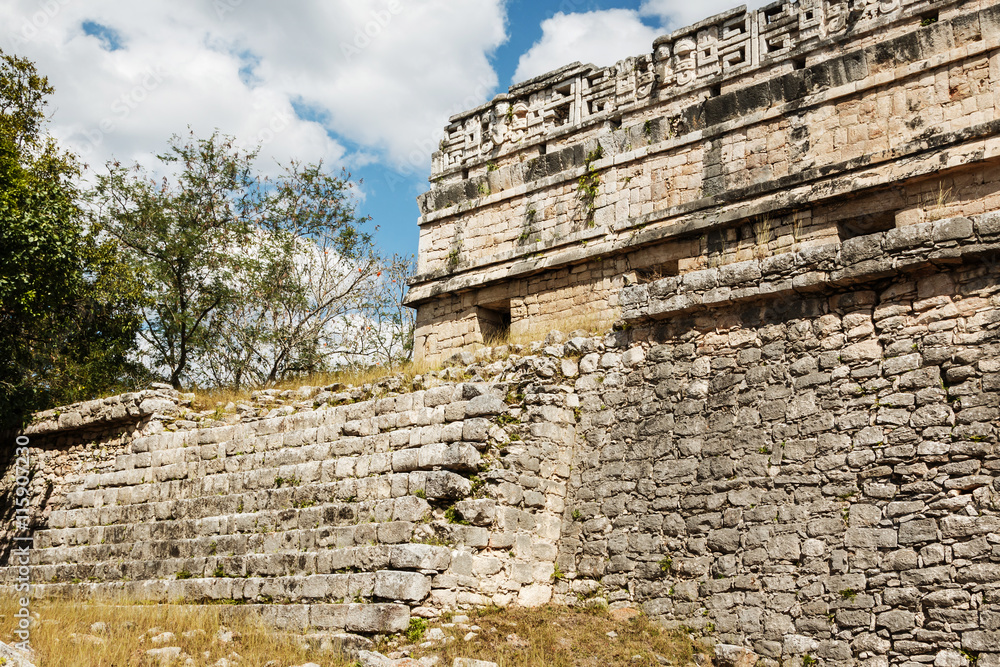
x=734 y=44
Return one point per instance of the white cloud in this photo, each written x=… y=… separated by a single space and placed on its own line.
x=600 y=37
x=381 y=75
x=676 y=14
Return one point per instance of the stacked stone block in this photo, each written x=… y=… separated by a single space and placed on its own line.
x=795 y=454
x=801 y=456
x=831 y=124
x=322 y=509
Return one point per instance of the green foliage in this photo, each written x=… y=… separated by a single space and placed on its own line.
x=451 y=515
x=577 y=515
x=666 y=564
x=513 y=398
x=453 y=258
x=415 y=632
x=557 y=572
x=588 y=185
x=68 y=306
x=476 y=485
x=848 y=594
x=251 y=280
x=288 y=481
x=189 y=239
x=420 y=493
x=183 y=574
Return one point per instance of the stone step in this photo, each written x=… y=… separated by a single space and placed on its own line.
x=295 y=541
x=409 y=556
x=335 y=441
x=112 y=567
x=141 y=504
x=390 y=585
x=393 y=532
x=420 y=412
x=273 y=532
x=213 y=471
x=221 y=515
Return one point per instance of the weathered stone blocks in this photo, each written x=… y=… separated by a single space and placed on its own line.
x=408 y=586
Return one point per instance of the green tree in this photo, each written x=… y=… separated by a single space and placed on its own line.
x=67 y=306
x=383 y=333
x=315 y=262
x=187 y=239
x=246 y=275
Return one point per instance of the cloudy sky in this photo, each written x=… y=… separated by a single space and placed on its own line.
x=364 y=84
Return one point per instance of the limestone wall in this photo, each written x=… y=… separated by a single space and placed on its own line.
x=795 y=453
x=320 y=499
x=814 y=472
x=881 y=116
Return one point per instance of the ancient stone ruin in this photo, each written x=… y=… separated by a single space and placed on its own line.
x=788 y=442
x=747 y=136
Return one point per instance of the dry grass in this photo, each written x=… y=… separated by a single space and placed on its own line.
x=796 y=231
x=564 y=637
x=943 y=196
x=63 y=636
x=514 y=637
x=210 y=398
x=762 y=236
x=206 y=399
x=591 y=324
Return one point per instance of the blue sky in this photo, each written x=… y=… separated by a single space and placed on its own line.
x=363 y=84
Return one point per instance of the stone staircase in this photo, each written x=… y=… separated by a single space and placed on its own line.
x=341 y=517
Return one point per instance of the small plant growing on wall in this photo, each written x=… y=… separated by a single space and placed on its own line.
x=451 y=515
x=415 y=632
x=528 y=228
x=452 y=259
x=589 y=184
